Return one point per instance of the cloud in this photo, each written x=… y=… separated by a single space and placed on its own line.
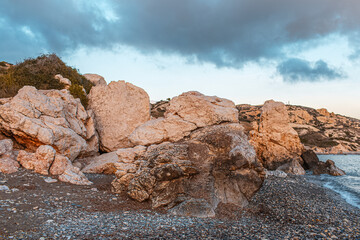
x=226 y=33
x=296 y=70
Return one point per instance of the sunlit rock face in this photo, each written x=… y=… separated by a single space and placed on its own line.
x=118 y=108
x=8 y=163
x=182 y=115
x=275 y=141
x=49 y=117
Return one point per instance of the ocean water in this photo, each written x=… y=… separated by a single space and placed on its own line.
x=348 y=186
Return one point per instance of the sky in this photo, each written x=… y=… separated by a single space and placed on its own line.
x=299 y=52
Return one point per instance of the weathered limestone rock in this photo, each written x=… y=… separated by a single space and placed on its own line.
x=160 y=130
x=73 y=175
x=119 y=108
x=95 y=79
x=44 y=155
x=292 y=167
x=216 y=164
x=59 y=165
x=328 y=168
x=129 y=155
x=48 y=117
x=39 y=161
x=312 y=162
x=63 y=80
x=8 y=164
x=202 y=110
x=102 y=164
x=45 y=161
x=275 y=141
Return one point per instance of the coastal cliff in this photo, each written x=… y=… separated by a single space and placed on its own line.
x=318 y=129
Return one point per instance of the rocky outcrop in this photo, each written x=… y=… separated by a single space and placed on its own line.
x=202 y=110
x=159 y=130
x=119 y=108
x=46 y=161
x=50 y=117
x=326 y=132
x=182 y=115
x=275 y=141
x=216 y=164
x=292 y=167
x=328 y=168
x=95 y=79
x=8 y=164
x=319 y=130
x=312 y=162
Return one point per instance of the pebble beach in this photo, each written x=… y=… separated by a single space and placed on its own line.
x=284 y=208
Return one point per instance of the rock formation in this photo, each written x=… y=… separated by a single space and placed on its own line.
x=46 y=161
x=202 y=110
x=119 y=108
x=312 y=162
x=216 y=164
x=318 y=130
x=49 y=117
x=8 y=164
x=159 y=130
x=95 y=79
x=182 y=115
x=275 y=141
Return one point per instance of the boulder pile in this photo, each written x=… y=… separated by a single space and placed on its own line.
x=49 y=117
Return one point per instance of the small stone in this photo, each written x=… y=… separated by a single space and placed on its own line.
x=50 y=180
x=4 y=188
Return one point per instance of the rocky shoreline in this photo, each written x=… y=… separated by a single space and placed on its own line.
x=284 y=208
x=344 y=153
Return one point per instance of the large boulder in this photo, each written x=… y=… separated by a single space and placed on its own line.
x=159 y=130
x=216 y=164
x=49 y=117
x=312 y=162
x=275 y=141
x=8 y=164
x=328 y=167
x=119 y=108
x=202 y=110
x=182 y=115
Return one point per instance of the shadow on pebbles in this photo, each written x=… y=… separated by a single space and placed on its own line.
x=290 y=208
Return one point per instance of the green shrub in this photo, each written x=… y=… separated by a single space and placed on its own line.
x=39 y=72
x=3 y=64
x=77 y=91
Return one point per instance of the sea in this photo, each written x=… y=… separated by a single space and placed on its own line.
x=348 y=186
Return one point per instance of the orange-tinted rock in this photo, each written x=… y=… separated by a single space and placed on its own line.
x=275 y=141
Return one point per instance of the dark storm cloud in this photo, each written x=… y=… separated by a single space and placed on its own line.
x=296 y=70
x=227 y=33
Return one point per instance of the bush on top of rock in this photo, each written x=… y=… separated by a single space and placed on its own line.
x=39 y=72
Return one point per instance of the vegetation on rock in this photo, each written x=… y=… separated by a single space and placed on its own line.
x=39 y=72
